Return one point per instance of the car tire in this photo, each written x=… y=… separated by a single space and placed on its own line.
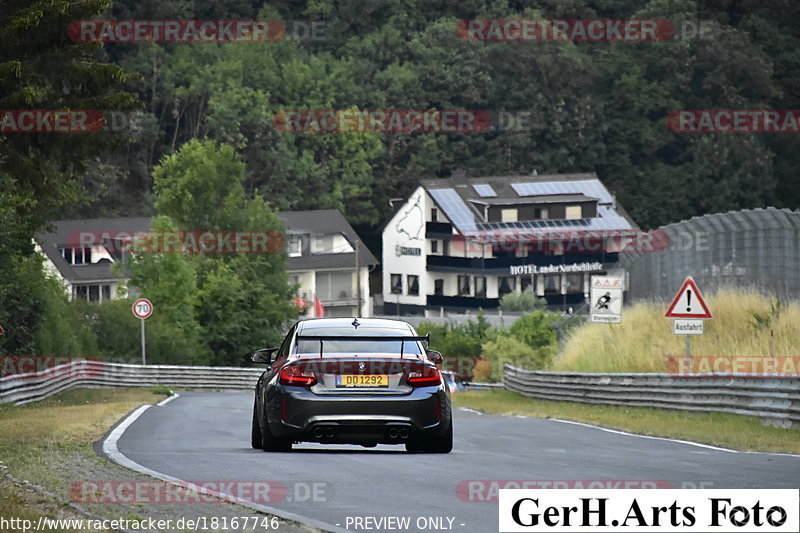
x=255 y=432
x=271 y=443
x=440 y=444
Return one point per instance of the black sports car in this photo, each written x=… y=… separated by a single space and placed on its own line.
x=352 y=381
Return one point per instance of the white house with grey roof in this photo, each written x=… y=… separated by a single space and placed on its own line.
x=462 y=243
x=321 y=248
x=323 y=262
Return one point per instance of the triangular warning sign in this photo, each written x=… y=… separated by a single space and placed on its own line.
x=688 y=303
x=1 y=330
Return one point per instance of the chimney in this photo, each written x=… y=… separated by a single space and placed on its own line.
x=459 y=176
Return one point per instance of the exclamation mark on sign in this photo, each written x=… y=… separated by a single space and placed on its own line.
x=688 y=300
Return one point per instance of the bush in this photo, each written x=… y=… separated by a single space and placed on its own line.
x=118 y=335
x=458 y=340
x=63 y=330
x=522 y=302
x=535 y=329
x=509 y=350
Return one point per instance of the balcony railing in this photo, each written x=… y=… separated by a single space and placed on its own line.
x=500 y=265
x=438 y=230
x=462 y=301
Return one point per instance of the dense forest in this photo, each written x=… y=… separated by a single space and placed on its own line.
x=590 y=106
x=593 y=106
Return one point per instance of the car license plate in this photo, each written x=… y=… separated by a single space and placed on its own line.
x=362 y=380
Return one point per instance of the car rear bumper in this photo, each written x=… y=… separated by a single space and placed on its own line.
x=301 y=415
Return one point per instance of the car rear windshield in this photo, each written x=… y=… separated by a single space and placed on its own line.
x=352 y=346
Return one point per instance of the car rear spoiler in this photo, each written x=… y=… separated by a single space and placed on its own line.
x=322 y=338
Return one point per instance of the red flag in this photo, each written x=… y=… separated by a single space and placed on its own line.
x=319 y=309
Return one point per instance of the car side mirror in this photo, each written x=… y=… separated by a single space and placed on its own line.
x=263 y=356
x=435 y=357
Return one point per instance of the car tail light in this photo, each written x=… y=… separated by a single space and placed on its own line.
x=428 y=377
x=296 y=377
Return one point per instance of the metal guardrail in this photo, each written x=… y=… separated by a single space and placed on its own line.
x=775 y=400
x=34 y=386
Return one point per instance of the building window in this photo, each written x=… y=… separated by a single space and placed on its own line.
x=92 y=293
x=541 y=213
x=508 y=215
x=573 y=283
x=295 y=247
x=334 y=285
x=438 y=287
x=573 y=212
x=83 y=256
x=552 y=284
x=434 y=247
x=434 y=215
x=480 y=287
x=323 y=244
x=397 y=283
x=464 y=286
x=413 y=285
x=506 y=285
x=525 y=283
x=79 y=256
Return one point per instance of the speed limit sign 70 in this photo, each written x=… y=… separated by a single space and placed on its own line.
x=142 y=308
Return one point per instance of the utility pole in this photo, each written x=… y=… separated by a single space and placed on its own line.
x=358 y=276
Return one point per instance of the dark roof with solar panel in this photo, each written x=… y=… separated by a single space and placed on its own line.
x=461 y=199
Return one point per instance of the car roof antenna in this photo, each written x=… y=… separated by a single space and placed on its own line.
x=356 y=323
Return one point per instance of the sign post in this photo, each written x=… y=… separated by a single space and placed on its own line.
x=605 y=298
x=142 y=309
x=689 y=309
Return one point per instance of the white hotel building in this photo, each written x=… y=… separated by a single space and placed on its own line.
x=462 y=243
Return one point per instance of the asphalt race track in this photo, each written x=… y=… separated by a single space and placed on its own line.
x=206 y=436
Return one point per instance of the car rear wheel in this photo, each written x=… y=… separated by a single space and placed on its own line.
x=255 y=432
x=271 y=443
x=439 y=444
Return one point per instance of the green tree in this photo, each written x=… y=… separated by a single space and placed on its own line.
x=39 y=172
x=240 y=301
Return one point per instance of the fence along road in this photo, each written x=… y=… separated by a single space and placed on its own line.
x=34 y=386
x=775 y=400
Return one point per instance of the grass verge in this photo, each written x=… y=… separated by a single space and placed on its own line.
x=36 y=437
x=45 y=447
x=738 y=432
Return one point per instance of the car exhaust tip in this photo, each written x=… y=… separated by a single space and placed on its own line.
x=393 y=433
x=330 y=433
x=404 y=433
x=318 y=433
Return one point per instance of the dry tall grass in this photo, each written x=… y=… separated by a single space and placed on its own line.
x=742 y=326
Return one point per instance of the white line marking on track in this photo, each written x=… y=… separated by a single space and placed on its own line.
x=690 y=443
x=168 y=399
x=111 y=449
x=468 y=410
